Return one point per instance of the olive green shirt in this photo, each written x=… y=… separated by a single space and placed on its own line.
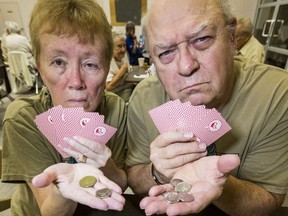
x=26 y=152
x=256 y=111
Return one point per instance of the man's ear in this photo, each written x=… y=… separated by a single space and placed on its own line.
x=232 y=31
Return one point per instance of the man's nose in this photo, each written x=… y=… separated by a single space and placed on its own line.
x=188 y=63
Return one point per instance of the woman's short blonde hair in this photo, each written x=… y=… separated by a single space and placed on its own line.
x=84 y=18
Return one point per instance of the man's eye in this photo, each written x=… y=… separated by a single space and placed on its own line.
x=164 y=54
x=167 y=56
x=202 y=43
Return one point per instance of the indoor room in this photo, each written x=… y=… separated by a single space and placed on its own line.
x=141 y=99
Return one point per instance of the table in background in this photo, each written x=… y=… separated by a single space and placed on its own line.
x=138 y=71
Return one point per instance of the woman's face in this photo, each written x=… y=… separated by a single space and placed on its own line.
x=119 y=48
x=74 y=73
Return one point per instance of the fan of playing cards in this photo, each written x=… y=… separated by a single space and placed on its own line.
x=58 y=123
x=207 y=124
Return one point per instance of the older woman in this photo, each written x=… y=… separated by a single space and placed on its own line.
x=119 y=67
x=73 y=46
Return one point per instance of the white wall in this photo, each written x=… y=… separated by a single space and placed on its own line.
x=241 y=8
x=244 y=8
x=25 y=7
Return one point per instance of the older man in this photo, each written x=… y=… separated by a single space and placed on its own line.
x=192 y=44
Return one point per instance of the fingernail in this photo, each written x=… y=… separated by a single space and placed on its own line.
x=202 y=146
x=188 y=135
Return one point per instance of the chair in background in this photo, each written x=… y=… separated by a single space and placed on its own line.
x=21 y=77
x=5 y=88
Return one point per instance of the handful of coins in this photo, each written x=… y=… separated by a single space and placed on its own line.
x=90 y=181
x=180 y=192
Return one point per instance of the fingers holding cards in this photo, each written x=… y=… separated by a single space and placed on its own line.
x=58 y=123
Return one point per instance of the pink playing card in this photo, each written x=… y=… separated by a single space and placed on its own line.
x=98 y=132
x=161 y=115
x=207 y=124
x=45 y=124
x=58 y=123
x=210 y=127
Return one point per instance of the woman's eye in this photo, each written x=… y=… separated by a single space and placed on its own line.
x=58 y=63
x=90 y=66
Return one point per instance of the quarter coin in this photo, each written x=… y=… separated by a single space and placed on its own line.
x=174 y=182
x=171 y=197
x=88 y=181
x=183 y=187
x=103 y=193
x=185 y=197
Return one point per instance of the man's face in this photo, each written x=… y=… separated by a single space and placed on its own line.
x=119 y=48
x=74 y=73
x=192 y=50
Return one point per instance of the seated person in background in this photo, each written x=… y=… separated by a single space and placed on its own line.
x=14 y=41
x=192 y=45
x=119 y=68
x=247 y=45
x=3 y=44
x=73 y=46
x=132 y=44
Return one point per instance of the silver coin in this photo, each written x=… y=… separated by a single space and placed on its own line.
x=183 y=187
x=103 y=193
x=185 y=197
x=174 y=182
x=171 y=197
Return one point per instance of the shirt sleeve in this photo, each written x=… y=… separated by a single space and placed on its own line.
x=26 y=152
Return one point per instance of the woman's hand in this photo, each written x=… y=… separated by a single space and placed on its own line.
x=67 y=178
x=88 y=151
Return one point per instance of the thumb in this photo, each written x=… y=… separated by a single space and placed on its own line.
x=228 y=162
x=43 y=179
x=49 y=175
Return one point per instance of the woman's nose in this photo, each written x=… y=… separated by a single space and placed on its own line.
x=76 y=79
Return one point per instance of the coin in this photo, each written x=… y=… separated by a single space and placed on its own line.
x=87 y=181
x=103 y=193
x=171 y=197
x=183 y=187
x=174 y=182
x=185 y=197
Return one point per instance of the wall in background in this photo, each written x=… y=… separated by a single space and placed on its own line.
x=241 y=8
x=25 y=8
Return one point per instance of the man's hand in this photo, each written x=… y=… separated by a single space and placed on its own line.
x=171 y=150
x=67 y=177
x=207 y=177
